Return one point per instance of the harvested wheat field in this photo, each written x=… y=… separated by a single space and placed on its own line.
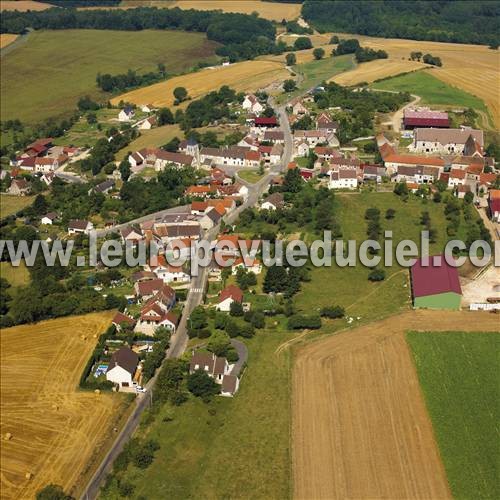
x=6 y=39
x=49 y=429
x=248 y=75
x=360 y=425
x=374 y=70
x=266 y=10
x=473 y=68
x=23 y=5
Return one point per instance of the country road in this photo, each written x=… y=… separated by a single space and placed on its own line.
x=179 y=340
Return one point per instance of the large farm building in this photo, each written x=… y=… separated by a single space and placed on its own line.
x=435 y=286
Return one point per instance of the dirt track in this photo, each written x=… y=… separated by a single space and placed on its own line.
x=360 y=426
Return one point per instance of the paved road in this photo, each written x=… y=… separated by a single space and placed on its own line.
x=179 y=340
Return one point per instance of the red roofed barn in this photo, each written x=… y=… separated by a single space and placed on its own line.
x=435 y=286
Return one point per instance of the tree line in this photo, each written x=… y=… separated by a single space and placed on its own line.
x=242 y=36
x=461 y=21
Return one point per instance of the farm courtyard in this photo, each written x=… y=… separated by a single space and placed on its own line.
x=51 y=432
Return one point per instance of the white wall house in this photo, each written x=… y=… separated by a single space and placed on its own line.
x=343 y=179
x=122 y=367
x=80 y=227
x=252 y=104
x=126 y=114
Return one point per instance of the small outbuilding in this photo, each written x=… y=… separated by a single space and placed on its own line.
x=436 y=285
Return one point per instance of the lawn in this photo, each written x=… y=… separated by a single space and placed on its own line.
x=431 y=90
x=11 y=204
x=155 y=137
x=251 y=176
x=349 y=286
x=45 y=76
x=16 y=276
x=457 y=375
x=229 y=448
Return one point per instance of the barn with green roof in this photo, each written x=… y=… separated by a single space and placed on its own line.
x=436 y=285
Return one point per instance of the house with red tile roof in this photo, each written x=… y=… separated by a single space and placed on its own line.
x=229 y=295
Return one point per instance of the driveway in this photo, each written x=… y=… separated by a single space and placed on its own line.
x=242 y=351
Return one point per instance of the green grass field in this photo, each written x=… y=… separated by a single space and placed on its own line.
x=458 y=374
x=349 y=286
x=252 y=176
x=16 y=276
x=11 y=204
x=46 y=75
x=315 y=72
x=232 y=447
x=432 y=91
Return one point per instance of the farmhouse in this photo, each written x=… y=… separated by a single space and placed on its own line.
x=274 y=136
x=315 y=137
x=373 y=173
x=148 y=123
x=229 y=295
x=165 y=158
x=425 y=118
x=122 y=367
x=46 y=164
x=252 y=158
x=436 y=285
x=324 y=122
x=80 y=227
x=447 y=141
x=298 y=108
x=19 y=187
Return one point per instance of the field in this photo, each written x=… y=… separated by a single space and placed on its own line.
x=6 y=39
x=231 y=448
x=72 y=59
x=248 y=75
x=251 y=176
x=153 y=138
x=432 y=91
x=359 y=422
x=472 y=68
x=16 y=276
x=55 y=429
x=266 y=10
x=12 y=204
x=23 y=5
x=374 y=70
x=349 y=286
x=456 y=370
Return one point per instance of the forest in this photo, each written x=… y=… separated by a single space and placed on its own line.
x=460 y=21
x=242 y=36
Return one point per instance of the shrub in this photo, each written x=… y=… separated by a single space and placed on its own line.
x=299 y=321
x=377 y=275
x=332 y=312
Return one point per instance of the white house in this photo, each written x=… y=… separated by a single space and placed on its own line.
x=46 y=164
x=148 y=123
x=247 y=263
x=165 y=271
x=122 y=367
x=302 y=149
x=229 y=295
x=272 y=202
x=147 y=108
x=456 y=178
x=80 y=227
x=152 y=317
x=252 y=104
x=214 y=366
x=126 y=114
x=343 y=179
x=49 y=219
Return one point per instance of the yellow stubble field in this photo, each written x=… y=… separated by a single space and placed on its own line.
x=248 y=75
x=23 y=5
x=473 y=68
x=50 y=430
x=6 y=39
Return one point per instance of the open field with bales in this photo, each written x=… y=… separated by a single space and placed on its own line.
x=6 y=39
x=231 y=447
x=472 y=68
x=23 y=5
x=11 y=204
x=72 y=59
x=247 y=75
x=455 y=372
x=360 y=425
x=51 y=431
x=153 y=138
